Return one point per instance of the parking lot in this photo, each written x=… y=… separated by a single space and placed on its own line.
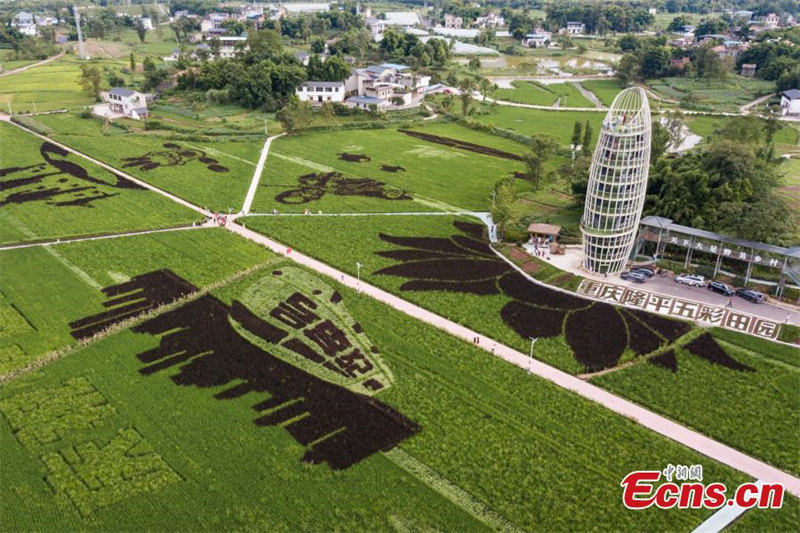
x=667 y=285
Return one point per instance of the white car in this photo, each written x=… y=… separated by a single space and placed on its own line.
x=691 y=279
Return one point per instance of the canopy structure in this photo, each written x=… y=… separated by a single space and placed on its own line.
x=544 y=229
x=663 y=231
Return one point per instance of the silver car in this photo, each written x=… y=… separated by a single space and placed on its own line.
x=694 y=280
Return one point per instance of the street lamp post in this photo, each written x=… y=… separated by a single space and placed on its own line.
x=358 y=276
x=530 y=357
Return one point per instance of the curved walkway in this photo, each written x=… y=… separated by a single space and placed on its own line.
x=672 y=430
x=32 y=65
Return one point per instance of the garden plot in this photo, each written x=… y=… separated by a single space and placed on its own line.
x=170 y=404
x=215 y=175
x=380 y=170
x=48 y=193
x=44 y=289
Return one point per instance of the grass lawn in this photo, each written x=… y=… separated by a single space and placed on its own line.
x=433 y=173
x=604 y=90
x=530 y=92
x=51 y=86
x=42 y=200
x=757 y=412
x=705 y=126
x=204 y=184
x=557 y=124
x=509 y=446
x=44 y=289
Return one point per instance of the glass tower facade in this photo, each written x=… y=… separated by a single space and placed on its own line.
x=617 y=183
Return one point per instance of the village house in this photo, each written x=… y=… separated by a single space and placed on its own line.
x=25 y=23
x=748 y=70
x=770 y=21
x=575 y=28
x=389 y=82
x=452 y=22
x=367 y=103
x=228 y=46
x=128 y=102
x=319 y=92
x=490 y=21
x=376 y=28
x=146 y=23
x=790 y=103
x=537 y=40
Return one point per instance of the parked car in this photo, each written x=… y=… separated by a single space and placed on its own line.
x=721 y=288
x=634 y=276
x=751 y=295
x=691 y=279
x=644 y=272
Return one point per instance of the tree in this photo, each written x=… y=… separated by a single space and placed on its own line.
x=577 y=130
x=627 y=69
x=710 y=27
x=141 y=31
x=655 y=62
x=486 y=87
x=466 y=85
x=474 y=63
x=295 y=115
x=790 y=79
x=318 y=45
x=90 y=79
x=586 y=147
x=505 y=193
x=659 y=141
x=542 y=147
x=132 y=63
x=675 y=128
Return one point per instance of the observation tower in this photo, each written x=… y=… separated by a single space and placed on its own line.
x=617 y=183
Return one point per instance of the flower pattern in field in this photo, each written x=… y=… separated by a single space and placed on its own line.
x=58 y=181
x=173 y=155
x=314 y=186
x=597 y=332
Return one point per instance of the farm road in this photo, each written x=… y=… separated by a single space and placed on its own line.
x=32 y=65
x=672 y=430
x=251 y=192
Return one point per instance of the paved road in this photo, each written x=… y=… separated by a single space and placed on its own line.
x=251 y=193
x=32 y=65
x=702 y=294
x=672 y=430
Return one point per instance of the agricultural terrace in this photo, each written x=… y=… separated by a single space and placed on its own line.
x=215 y=175
x=431 y=167
x=604 y=90
x=44 y=289
x=441 y=264
x=48 y=193
x=531 y=92
x=557 y=124
x=424 y=451
x=698 y=94
x=47 y=87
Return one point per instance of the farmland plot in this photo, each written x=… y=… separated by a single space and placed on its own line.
x=48 y=193
x=44 y=289
x=170 y=403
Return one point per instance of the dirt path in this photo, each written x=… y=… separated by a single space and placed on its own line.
x=589 y=95
x=661 y=425
x=546 y=107
x=97 y=237
x=746 y=108
x=32 y=65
